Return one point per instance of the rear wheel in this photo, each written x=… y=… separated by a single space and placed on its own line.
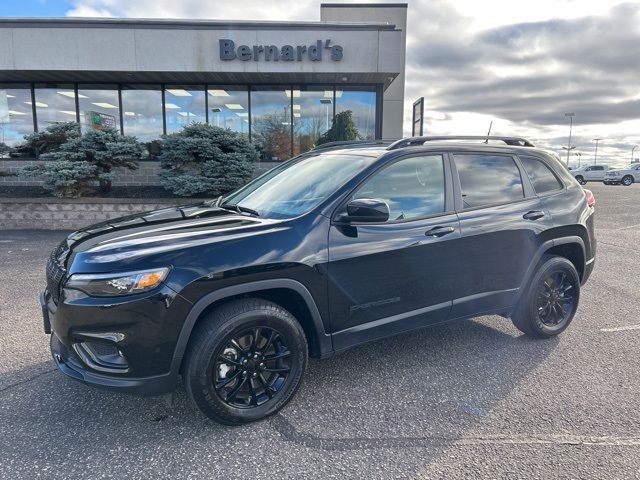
x=551 y=299
x=581 y=180
x=245 y=361
x=627 y=180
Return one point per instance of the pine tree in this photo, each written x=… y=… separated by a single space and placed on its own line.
x=205 y=160
x=342 y=128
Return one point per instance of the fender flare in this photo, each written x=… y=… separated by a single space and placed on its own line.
x=324 y=339
x=540 y=252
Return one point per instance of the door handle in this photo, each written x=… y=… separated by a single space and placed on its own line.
x=533 y=215
x=439 y=231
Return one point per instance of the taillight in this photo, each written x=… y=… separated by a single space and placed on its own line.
x=588 y=194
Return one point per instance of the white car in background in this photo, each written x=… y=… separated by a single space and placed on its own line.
x=625 y=175
x=590 y=173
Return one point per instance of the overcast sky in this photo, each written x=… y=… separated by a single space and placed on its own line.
x=522 y=64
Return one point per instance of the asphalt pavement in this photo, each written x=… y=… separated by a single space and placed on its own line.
x=470 y=399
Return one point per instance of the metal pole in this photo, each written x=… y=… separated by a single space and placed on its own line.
x=570 y=115
x=595 y=158
x=633 y=150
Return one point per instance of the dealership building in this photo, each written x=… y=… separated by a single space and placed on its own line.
x=279 y=83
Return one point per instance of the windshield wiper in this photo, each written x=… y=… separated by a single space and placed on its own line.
x=239 y=209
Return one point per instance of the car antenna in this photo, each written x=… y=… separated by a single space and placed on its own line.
x=489 y=132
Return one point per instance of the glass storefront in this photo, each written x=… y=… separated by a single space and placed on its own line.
x=271 y=121
x=16 y=117
x=229 y=108
x=55 y=103
x=184 y=104
x=98 y=105
x=142 y=111
x=282 y=120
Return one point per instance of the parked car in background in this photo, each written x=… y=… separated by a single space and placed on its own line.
x=625 y=175
x=590 y=173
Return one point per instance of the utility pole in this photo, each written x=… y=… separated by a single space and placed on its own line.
x=595 y=159
x=570 y=115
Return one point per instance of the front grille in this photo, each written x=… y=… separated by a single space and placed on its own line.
x=55 y=274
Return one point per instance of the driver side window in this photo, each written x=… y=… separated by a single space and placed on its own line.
x=413 y=187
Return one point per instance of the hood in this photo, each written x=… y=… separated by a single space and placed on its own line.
x=156 y=232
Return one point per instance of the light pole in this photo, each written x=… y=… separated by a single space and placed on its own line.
x=570 y=115
x=595 y=158
x=633 y=150
x=579 y=158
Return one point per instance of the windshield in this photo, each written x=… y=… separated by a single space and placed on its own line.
x=298 y=186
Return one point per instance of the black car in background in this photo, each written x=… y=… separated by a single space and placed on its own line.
x=345 y=244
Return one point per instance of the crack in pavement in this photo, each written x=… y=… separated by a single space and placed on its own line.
x=291 y=434
x=27 y=380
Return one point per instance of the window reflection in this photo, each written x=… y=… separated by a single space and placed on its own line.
x=271 y=121
x=98 y=107
x=412 y=188
x=55 y=103
x=16 y=118
x=142 y=111
x=488 y=179
x=362 y=103
x=229 y=108
x=184 y=104
x=312 y=116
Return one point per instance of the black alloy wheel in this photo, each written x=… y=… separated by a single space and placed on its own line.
x=549 y=303
x=245 y=361
x=555 y=299
x=252 y=368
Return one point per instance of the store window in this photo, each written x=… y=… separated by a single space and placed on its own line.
x=142 y=111
x=312 y=116
x=184 y=104
x=16 y=117
x=229 y=108
x=361 y=102
x=55 y=103
x=98 y=107
x=271 y=109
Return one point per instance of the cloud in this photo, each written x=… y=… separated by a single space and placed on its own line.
x=479 y=61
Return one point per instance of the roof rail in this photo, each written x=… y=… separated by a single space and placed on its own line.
x=414 y=141
x=351 y=144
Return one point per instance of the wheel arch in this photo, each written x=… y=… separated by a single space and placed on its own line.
x=288 y=293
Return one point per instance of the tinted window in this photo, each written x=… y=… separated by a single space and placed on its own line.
x=412 y=188
x=597 y=168
x=541 y=176
x=487 y=179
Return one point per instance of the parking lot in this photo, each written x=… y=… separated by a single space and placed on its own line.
x=470 y=399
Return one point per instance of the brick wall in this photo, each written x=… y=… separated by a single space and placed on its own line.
x=71 y=214
x=147 y=173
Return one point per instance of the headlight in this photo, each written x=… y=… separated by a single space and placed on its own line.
x=112 y=284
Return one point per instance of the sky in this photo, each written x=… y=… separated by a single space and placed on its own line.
x=520 y=64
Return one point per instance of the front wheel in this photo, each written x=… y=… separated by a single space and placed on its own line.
x=245 y=361
x=627 y=180
x=551 y=299
x=581 y=180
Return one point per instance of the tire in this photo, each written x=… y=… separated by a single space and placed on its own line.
x=627 y=180
x=532 y=316
x=581 y=180
x=262 y=384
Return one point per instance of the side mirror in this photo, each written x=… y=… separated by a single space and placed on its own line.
x=367 y=210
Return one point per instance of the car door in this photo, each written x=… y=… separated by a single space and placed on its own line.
x=501 y=219
x=389 y=277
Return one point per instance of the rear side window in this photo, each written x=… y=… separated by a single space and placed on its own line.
x=488 y=179
x=542 y=178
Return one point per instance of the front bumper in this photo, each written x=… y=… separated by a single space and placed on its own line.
x=145 y=331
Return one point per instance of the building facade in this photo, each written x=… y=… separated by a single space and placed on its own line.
x=279 y=83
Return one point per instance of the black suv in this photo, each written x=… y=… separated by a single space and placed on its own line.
x=339 y=246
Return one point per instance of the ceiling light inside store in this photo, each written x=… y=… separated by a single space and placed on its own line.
x=72 y=95
x=171 y=106
x=242 y=114
x=234 y=106
x=296 y=107
x=10 y=96
x=187 y=114
x=103 y=105
x=130 y=114
x=178 y=92
x=38 y=104
x=328 y=94
x=296 y=114
x=296 y=93
x=68 y=112
x=15 y=112
x=338 y=93
x=218 y=93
